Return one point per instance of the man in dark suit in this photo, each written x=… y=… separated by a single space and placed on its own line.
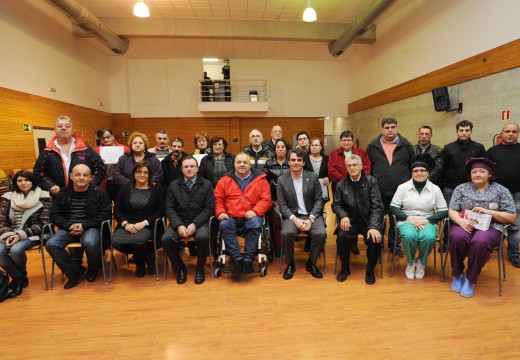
x=190 y=202
x=301 y=204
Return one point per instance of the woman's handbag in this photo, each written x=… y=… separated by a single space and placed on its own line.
x=4 y=286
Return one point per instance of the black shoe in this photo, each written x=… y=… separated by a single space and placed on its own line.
x=515 y=261
x=342 y=276
x=73 y=278
x=247 y=267
x=181 y=276
x=200 y=277
x=310 y=267
x=289 y=271
x=16 y=287
x=237 y=267
x=25 y=281
x=92 y=274
x=370 y=279
x=443 y=248
x=150 y=262
x=354 y=249
x=398 y=251
x=140 y=270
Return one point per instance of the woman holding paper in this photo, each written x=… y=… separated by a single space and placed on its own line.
x=472 y=238
x=106 y=138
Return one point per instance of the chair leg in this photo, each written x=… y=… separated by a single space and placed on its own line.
x=281 y=259
x=52 y=275
x=165 y=267
x=42 y=250
x=324 y=259
x=210 y=260
x=336 y=262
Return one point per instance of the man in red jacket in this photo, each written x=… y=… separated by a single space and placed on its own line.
x=242 y=197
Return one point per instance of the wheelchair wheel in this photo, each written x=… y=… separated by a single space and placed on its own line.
x=218 y=272
x=263 y=269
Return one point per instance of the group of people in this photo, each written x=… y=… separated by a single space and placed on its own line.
x=73 y=187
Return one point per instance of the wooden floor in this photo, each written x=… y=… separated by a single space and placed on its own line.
x=269 y=318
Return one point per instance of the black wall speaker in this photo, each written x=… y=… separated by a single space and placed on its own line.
x=441 y=98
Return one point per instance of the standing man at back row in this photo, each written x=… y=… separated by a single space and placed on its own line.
x=64 y=151
x=390 y=155
x=454 y=156
x=276 y=133
x=506 y=156
x=424 y=146
x=258 y=153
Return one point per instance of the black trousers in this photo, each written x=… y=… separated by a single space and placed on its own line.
x=345 y=240
x=171 y=242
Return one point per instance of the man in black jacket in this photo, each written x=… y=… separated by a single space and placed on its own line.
x=454 y=156
x=424 y=146
x=78 y=212
x=359 y=210
x=190 y=202
x=391 y=156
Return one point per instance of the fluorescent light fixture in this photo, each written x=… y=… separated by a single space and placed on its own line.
x=141 y=10
x=210 y=59
x=309 y=15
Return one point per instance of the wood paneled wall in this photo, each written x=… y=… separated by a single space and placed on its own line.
x=496 y=60
x=228 y=127
x=17 y=108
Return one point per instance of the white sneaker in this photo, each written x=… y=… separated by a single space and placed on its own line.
x=419 y=269
x=410 y=271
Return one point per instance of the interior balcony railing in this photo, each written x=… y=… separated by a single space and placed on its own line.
x=233 y=95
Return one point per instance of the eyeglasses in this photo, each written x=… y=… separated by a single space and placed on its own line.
x=142 y=172
x=419 y=171
x=302 y=138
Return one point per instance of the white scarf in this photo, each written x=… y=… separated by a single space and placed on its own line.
x=20 y=202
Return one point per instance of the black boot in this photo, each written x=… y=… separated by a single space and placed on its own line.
x=16 y=286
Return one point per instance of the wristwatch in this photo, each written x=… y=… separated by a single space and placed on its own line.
x=312 y=218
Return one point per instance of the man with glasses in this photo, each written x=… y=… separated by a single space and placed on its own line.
x=303 y=142
x=276 y=133
x=258 y=153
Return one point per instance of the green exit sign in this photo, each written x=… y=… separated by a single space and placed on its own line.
x=26 y=128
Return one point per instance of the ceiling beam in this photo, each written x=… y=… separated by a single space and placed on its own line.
x=228 y=29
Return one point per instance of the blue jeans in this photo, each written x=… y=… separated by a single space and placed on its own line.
x=90 y=241
x=251 y=229
x=14 y=260
x=513 y=236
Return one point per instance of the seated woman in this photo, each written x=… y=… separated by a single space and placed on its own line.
x=483 y=196
x=418 y=205
x=274 y=168
x=317 y=162
x=217 y=162
x=22 y=215
x=138 y=205
x=201 y=140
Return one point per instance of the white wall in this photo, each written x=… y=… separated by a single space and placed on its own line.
x=169 y=87
x=427 y=35
x=39 y=51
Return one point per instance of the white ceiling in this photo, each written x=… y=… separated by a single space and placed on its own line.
x=182 y=28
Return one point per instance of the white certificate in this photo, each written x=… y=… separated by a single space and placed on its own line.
x=199 y=157
x=111 y=154
x=324 y=190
